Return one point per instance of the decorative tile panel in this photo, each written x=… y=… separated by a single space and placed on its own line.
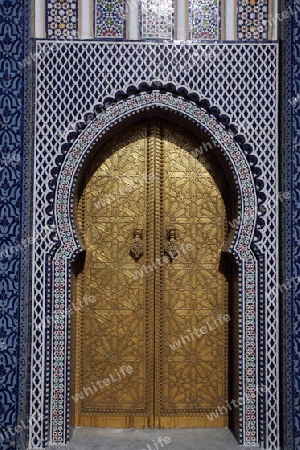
x=252 y=20
x=62 y=19
x=291 y=227
x=204 y=19
x=208 y=70
x=157 y=19
x=14 y=244
x=110 y=18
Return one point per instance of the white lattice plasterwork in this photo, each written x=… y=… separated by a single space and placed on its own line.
x=71 y=77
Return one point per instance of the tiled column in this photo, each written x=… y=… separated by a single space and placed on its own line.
x=110 y=19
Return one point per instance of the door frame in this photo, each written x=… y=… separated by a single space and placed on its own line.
x=258 y=364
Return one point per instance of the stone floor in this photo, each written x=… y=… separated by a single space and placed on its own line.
x=133 y=439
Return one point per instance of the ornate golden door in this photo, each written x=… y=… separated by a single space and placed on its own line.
x=150 y=331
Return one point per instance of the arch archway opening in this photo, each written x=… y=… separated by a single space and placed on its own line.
x=235 y=163
x=197 y=150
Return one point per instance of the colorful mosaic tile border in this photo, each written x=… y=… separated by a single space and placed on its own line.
x=252 y=20
x=157 y=18
x=204 y=19
x=110 y=18
x=62 y=19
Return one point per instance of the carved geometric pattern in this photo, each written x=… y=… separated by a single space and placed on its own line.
x=61 y=19
x=204 y=19
x=195 y=289
x=252 y=20
x=110 y=18
x=113 y=329
x=254 y=117
x=157 y=19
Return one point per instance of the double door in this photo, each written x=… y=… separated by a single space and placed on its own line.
x=149 y=342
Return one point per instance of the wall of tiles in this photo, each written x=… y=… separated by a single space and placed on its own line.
x=15 y=89
x=211 y=71
x=290 y=251
x=206 y=19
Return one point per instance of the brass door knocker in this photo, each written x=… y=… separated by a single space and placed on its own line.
x=171 y=250
x=136 y=248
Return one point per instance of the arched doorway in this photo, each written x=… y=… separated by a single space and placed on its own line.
x=150 y=333
x=231 y=152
